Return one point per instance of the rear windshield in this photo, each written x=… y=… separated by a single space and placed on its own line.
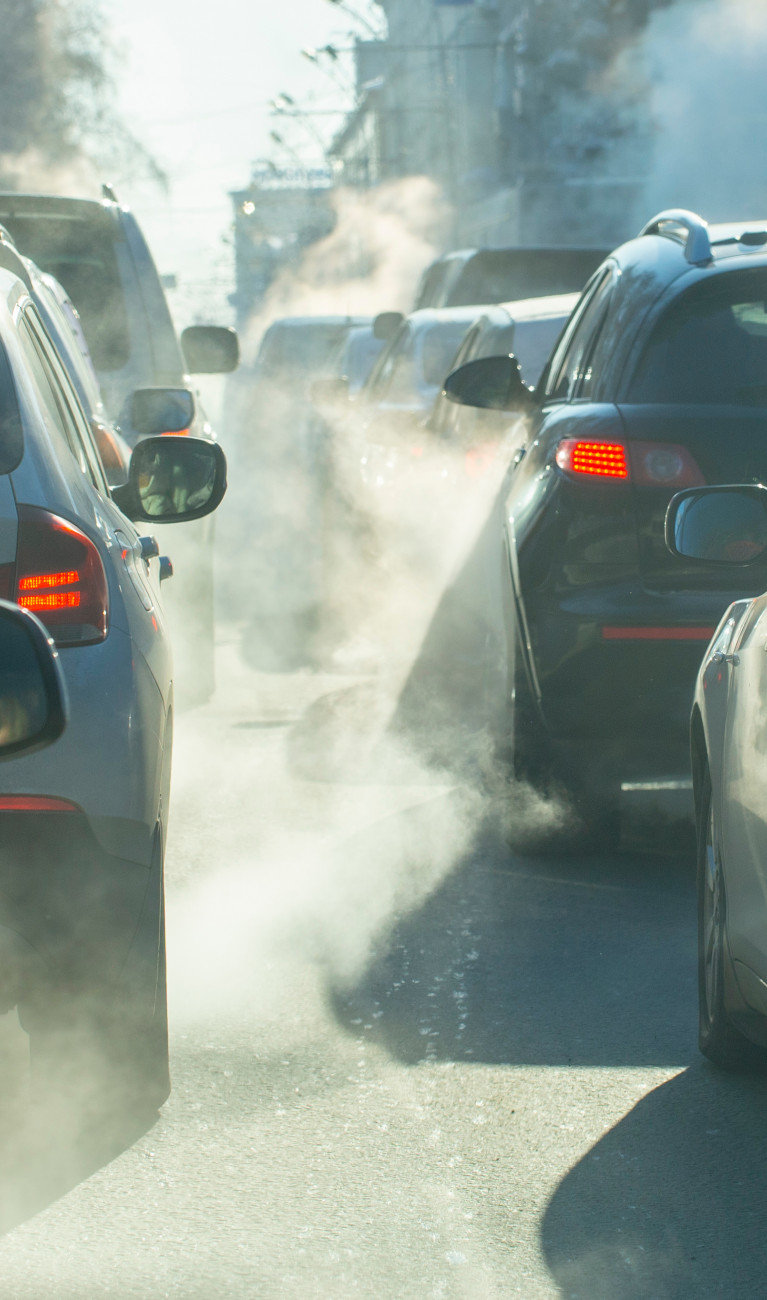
x=505 y=274
x=440 y=345
x=710 y=346
x=286 y=348
x=81 y=255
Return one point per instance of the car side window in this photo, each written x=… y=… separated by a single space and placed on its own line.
x=71 y=418
x=381 y=376
x=568 y=368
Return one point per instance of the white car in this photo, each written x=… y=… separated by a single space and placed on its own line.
x=82 y=823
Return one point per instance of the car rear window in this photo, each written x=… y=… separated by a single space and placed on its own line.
x=440 y=344
x=11 y=430
x=297 y=348
x=710 y=346
x=81 y=255
x=502 y=275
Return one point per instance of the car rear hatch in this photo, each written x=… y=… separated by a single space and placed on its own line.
x=674 y=447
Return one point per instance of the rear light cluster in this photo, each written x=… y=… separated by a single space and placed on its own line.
x=61 y=578
x=649 y=464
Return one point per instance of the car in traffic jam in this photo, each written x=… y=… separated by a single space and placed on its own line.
x=656 y=384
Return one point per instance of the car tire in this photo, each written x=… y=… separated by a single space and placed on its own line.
x=718 y=1038
x=103 y=1047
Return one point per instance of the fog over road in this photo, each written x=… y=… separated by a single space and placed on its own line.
x=398 y=1072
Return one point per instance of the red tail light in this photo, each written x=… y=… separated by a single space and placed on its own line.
x=648 y=464
x=35 y=803
x=61 y=578
x=598 y=459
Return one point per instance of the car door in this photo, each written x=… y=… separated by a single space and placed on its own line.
x=739 y=667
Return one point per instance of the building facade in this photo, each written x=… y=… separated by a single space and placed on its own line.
x=533 y=115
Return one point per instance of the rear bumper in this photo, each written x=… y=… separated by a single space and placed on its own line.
x=617 y=672
x=70 y=913
x=113 y=757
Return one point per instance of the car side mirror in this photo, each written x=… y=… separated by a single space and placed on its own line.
x=330 y=391
x=151 y=411
x=719 y=525
x=491 y=383
x=386 y=324
x=172 y=480
x=33 y=707
x=210 y=349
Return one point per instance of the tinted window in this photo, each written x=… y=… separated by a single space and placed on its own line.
x=81 y=255
x=505 y=274
x=440 y=345
x=297 y=347
x=569 y=365
x=59 y=398
x=709 y=346
x=11 y=434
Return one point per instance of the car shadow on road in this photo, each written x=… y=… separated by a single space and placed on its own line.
x=672 y=1202
x=576 y=960
x=48 y=1147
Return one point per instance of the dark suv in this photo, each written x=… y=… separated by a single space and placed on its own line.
x=658 y=382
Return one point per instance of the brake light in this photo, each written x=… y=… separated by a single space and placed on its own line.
x=35 y=803
x=664 y=464
x=596 y=459
x=648 y=464
x=61 y=578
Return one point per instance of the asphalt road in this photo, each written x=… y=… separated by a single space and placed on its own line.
x=409 y=1059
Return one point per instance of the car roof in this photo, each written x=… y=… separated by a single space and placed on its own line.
x=51 y=205
x=307 y=322
x=677 y=241
x=428 y=316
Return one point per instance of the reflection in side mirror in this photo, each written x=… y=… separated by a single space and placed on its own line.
x=718 y=525
x=491 y=383
x=210 y=349
x=173 y=480
x=32 y=695
x=386 y=324
x=330 y=391
x=160 y=410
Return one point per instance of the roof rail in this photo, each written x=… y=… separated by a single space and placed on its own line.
x=697 y=245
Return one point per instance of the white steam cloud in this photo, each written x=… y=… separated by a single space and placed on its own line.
x=705 y=61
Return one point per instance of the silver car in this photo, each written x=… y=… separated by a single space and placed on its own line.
x=83 y=823
x=725 y=529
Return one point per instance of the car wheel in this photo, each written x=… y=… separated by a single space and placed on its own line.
x=718 y=1038
x=104 y=1047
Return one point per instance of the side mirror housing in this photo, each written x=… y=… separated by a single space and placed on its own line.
x=151 y=411
x=330 y=391
x=491 y=383
x=386 y=324
x=172 y=480
x=33 y=706
x=210 y=349
x=719 y=525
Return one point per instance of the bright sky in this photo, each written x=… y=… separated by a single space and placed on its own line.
x=195 y=88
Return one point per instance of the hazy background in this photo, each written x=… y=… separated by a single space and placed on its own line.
x=196 y=92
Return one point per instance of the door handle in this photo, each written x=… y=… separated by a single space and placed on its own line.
x=719 y=657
